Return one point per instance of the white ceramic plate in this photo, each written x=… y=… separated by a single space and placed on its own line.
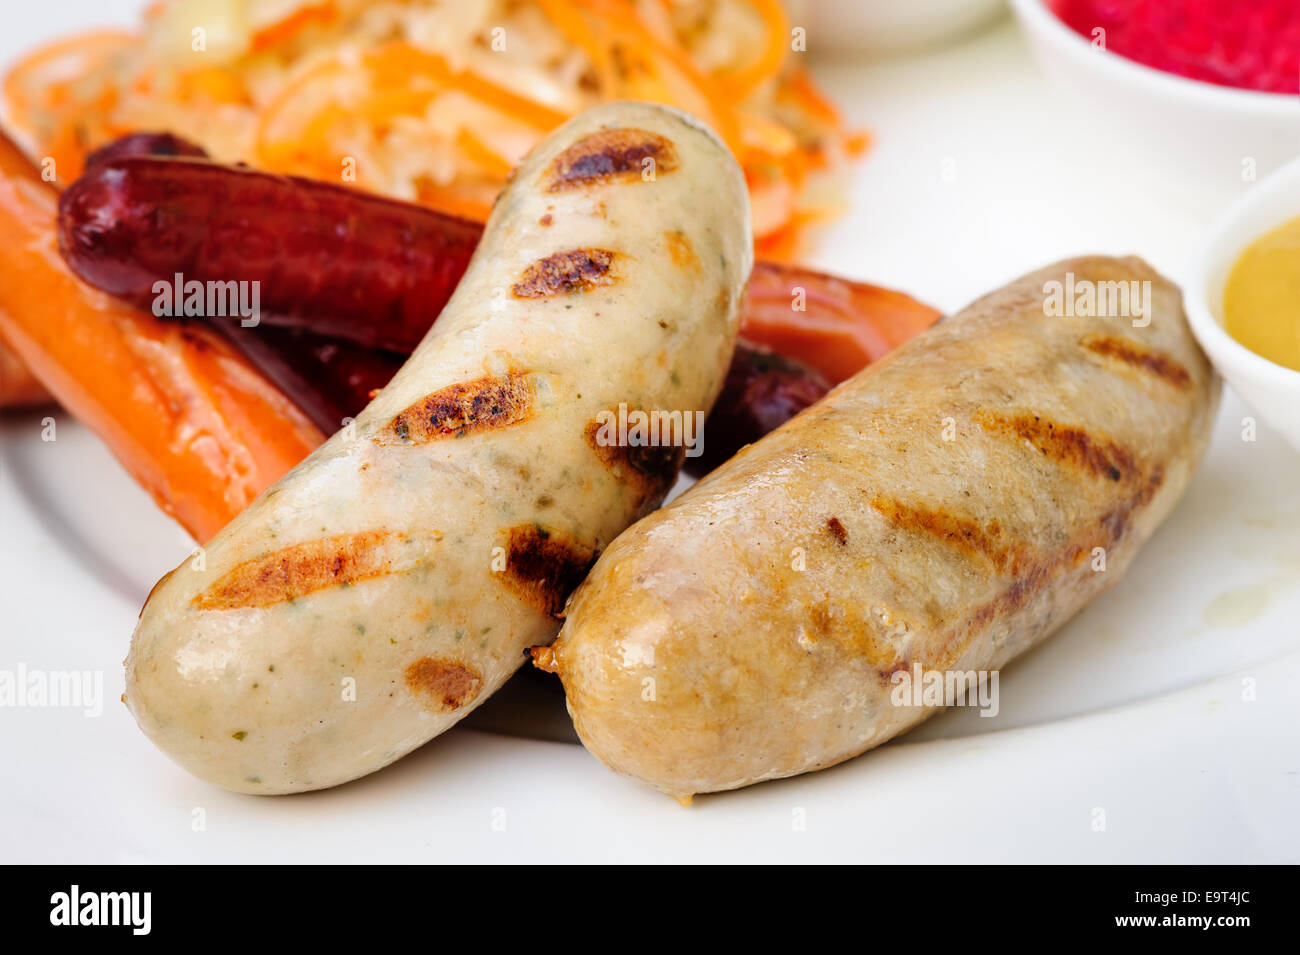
x=1160 y=725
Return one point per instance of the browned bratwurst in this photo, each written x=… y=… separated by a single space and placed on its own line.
x=948 y=507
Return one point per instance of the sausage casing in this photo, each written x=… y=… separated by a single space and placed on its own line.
x=948 y=507
x=327 y=257
x=391 y=582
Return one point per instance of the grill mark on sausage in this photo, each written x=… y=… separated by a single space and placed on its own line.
x=445 y=684
x=963 y=534
x=611 y=155
x=1117 y=521
x=1065 y=444
x=837 y=530
x=1160 y=364
x=577 y=270
x=300 y=569
x=543 y=567
x=1111 y=528
x=457 y=410
x=650 y=469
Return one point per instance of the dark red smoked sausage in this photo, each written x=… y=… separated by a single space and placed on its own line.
x=763 y=391
x=331 y=380
x=355 y=281
x=375 y=271
x=343 y=262
x=145 y=144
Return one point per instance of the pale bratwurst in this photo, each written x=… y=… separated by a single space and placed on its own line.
x=391 y=582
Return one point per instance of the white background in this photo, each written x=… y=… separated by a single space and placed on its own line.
x=980 y=171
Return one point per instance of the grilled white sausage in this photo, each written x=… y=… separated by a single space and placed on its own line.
x=948 y=507
x=393 y=581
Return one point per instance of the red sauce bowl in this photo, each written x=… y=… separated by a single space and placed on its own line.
x=1245 y=44
x=1183 y=129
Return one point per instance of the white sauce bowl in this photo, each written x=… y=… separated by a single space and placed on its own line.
x=1271 y=390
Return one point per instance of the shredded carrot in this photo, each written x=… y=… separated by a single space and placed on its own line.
x=739 y=84
x=311 y=151
x=806 y=94
x=772 y=201
x=282 y=31
x=454 y=202
x=281 y=126
x=766 y=136
x=394 y=63
x=785 y=245
x=33 y=80
x=493 y=163
x=572 y=22
x=384 y=104
x=66 y=59
x=212 y=84
x=626 y=20
x=72 y=96
x=143 y=84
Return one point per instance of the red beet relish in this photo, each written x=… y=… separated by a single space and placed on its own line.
x=1249 y=44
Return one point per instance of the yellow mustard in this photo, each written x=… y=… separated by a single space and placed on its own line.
x=1261 y=303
